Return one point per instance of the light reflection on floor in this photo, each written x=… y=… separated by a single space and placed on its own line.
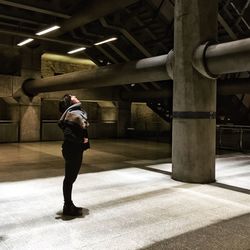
x=130 y=200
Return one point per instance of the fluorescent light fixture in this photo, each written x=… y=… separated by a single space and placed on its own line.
x=106 y=41
x=42 y=32
x=76 y=50
x=25 y=42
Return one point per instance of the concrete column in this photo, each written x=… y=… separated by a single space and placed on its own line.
x=30 y=108
x=123 y=118
x=30 y=116
x=194 y=96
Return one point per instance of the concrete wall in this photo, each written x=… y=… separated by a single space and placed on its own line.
x=8 y=132
x=58 y=64
x=8 y=125
x=144 y=119
x=25 y=112
x=3 y=110
x=49 y=110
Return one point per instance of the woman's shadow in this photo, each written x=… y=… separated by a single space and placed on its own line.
x=60 y=216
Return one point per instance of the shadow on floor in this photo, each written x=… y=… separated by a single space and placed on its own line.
x=156 y=170
x=225 y=234
x=60 y=216
x=2 y=238
x=234 y=188
x=55 y=168
x=29 y=171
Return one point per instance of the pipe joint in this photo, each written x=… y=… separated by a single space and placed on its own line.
x=25 y=89
x=170 y=64
x=199 y=61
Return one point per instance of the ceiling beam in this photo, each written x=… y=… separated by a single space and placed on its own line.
x=34 y=9
x=126 y=34
x=42 y=38
x=93 y=10
x=227 y=27
x=21 y=20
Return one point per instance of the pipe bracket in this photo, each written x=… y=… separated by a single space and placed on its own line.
x=170 y=64
x=199 y=61
x=194 y=115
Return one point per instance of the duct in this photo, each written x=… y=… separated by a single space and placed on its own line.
x=143 y=70
x=230 y=57
x=222 y=58
x=92 y=11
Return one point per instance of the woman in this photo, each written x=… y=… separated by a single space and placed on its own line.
x=74 y=124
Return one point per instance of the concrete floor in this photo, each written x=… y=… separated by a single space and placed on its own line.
x=129 y=198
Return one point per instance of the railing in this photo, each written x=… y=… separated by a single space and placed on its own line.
x=234 y=137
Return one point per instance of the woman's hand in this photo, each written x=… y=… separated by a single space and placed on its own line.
x=85 y=140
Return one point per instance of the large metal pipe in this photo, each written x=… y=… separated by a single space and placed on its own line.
x=144 y=70
x=224 y=87
x=149 y=69
x=230 y=57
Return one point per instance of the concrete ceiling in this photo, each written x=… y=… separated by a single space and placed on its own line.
x=144 y=28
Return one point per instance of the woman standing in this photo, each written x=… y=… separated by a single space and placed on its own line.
x=74 y=124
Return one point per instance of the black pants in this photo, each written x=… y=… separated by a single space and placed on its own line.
x=72 y=154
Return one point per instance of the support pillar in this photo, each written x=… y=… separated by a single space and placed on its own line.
x=124 y=117
x=194 y=96
x=30 y=108
x=30 y=121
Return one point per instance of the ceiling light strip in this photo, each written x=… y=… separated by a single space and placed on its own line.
x=106 y=41
x=42 y=32
x=76 y=50
x=25 y=42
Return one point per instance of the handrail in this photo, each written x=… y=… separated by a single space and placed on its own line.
x=232 y=126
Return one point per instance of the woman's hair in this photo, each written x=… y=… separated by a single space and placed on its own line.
x=65 y=103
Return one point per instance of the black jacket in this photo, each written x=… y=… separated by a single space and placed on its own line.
x=74 y=124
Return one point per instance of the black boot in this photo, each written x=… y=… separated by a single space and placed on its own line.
x=72 y=210
x=78 y=208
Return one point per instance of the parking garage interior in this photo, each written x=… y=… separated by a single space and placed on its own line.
x=166 y=87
